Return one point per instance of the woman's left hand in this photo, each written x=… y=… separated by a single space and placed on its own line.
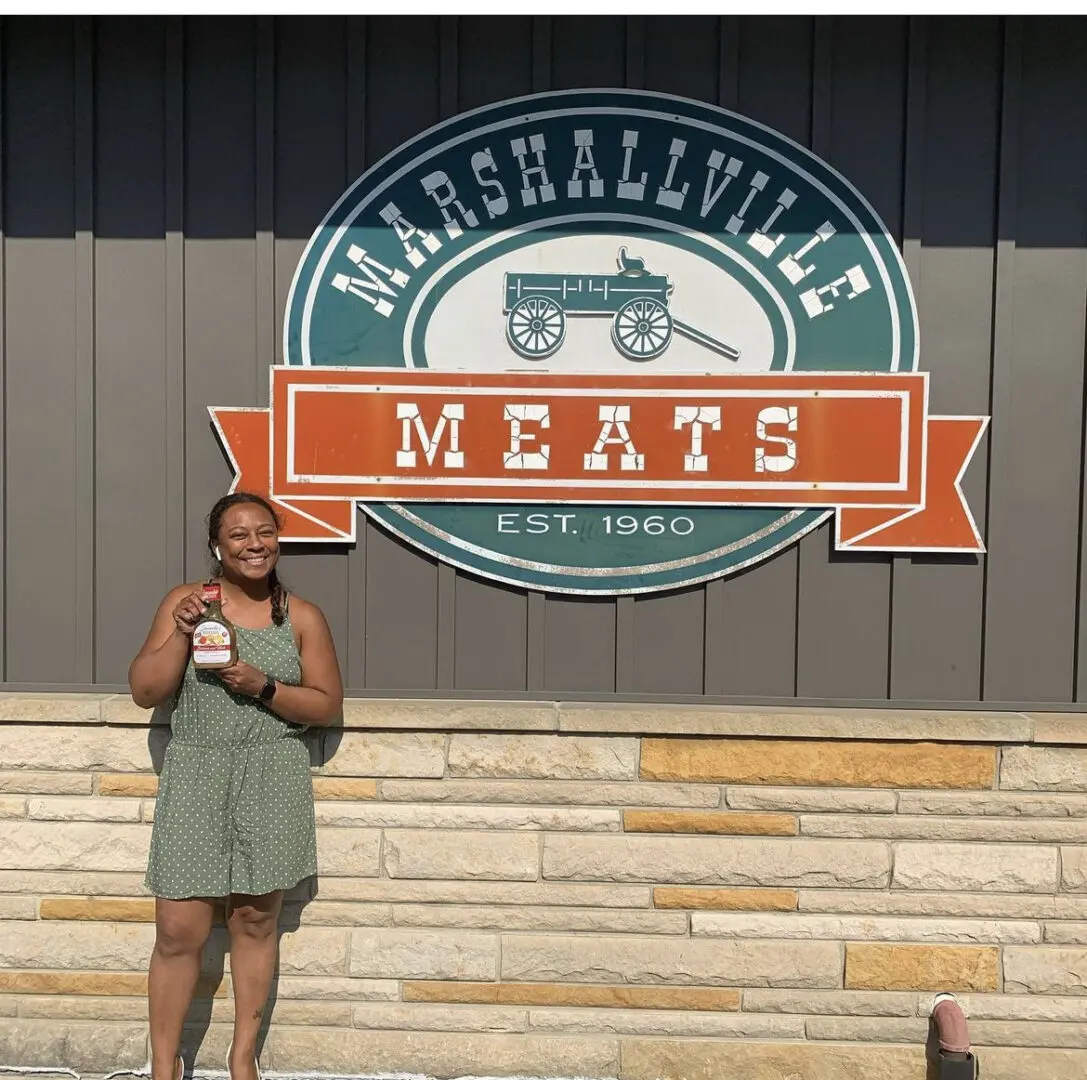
x=243 y=678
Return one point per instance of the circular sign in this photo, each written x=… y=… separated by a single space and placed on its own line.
x=596 y=231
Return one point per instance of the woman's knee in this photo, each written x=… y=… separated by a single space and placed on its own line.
x=181 y=931
x=254 y=917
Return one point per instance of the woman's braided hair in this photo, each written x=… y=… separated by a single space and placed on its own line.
x=215 y=523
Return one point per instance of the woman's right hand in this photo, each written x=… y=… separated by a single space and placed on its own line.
x=188 y=612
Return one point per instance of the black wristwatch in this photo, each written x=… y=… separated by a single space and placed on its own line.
x=268 y=690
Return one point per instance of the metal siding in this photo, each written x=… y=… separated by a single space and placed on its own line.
x=1032 y=609
x=843 y=617
x=130 y=343
x=669 y=632
x=579 y=637
x=750 y=631
x=354 y=663
x=938 y=601
x=301 y=83
x=220 y=254
x=41 y=393
x=401 y=585
x=495 y=59
x=487 y=624
x=161 y=176
x=3 y=365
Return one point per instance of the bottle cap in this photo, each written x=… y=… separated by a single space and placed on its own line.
x=212 y=592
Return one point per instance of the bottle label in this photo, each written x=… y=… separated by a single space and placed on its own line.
x=213 y=593
x=211 y=643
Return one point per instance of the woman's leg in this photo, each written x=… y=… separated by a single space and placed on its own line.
x=181 y=929
x=253 y=922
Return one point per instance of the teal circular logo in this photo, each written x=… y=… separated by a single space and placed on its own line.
x=601 y=231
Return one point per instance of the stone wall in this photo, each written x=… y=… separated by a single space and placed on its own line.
x=645 y=892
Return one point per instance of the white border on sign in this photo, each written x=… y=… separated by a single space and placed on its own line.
x=611 y=393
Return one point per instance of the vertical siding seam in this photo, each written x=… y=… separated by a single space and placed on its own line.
x=713 y=622
x=625 y=639
x=536 y=601
x=713 y=611
x=635 y=52
x=174 y=428
x=535 y=640
x=913 y=199
x=822 y=104
x=355 y=161
x=1077 y=631
x=84 y=615
x=446 y=650
x=264 y=79
x=728 y=61
x=1078 y=642
x=1002 y=343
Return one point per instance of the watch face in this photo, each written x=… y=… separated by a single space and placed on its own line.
x=268 y=690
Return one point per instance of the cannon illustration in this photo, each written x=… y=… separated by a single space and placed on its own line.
x=537 y=305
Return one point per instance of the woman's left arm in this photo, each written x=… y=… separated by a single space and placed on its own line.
x=318 y=701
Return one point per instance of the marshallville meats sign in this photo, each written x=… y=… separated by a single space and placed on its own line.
x=605 y=342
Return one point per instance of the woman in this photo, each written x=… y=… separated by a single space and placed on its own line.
x=234 y=816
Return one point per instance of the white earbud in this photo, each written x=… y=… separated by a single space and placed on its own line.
x=218 y=557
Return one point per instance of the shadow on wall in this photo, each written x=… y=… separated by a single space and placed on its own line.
x=176 y=103
x=322 y=746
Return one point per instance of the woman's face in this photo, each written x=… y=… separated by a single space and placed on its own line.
x=248 y=542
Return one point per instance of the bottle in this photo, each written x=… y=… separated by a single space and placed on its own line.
x=214 y=641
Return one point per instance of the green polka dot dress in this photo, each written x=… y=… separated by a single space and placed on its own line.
x=235 y=804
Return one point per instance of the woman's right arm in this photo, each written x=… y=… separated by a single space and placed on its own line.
x=155 y=674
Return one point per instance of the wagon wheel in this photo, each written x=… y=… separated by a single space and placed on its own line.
x=642 y=329
x=535 y=327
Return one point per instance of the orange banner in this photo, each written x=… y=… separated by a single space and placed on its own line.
x=862 y=444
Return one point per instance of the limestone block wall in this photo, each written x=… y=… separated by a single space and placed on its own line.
x=532 y=889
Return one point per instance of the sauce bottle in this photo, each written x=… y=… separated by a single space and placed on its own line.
x=214 y=641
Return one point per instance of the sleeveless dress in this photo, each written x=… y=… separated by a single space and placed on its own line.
x=235 y=805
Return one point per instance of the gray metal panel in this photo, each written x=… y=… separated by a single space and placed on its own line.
x=308 y=101
x=354 y=662
x=130 y=346
x=220 y=253
x=40 y=395
x=490 y=635
x=401 y=615
x=669 y=646
x=579 y=645
x=938 y=601
x=3 y=369
x=588 y=50
x=1034 y=524
x=401 y=585
x=495 y=59
x=750 y=643
x=681 y=55
x=579 y=636
x=843 y=614
x=174 y=418
x=489 y=623
x=666 y=638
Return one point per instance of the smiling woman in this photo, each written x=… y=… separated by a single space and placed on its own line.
x=234 y=817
